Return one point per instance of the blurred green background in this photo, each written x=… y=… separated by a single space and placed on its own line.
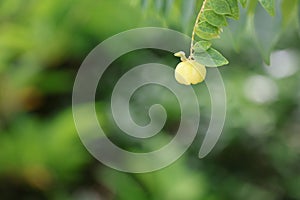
x=42 y=45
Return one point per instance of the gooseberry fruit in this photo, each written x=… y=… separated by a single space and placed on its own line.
x=189 y=71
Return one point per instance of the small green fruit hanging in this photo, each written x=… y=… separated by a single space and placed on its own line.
x=208 y=26
x=189 y=71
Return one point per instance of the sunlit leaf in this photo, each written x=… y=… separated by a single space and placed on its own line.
x=220 y=6
x=214 y=18
x=210 y=58
x=207 y=31
x=234 y=7
x=202 y=46
x=269 y=5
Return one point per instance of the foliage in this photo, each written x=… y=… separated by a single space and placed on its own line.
x=212 y=19
x=42 y=45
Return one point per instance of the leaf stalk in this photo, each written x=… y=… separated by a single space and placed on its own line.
x=194 y=29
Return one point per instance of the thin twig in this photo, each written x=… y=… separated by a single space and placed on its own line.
x=195 y=26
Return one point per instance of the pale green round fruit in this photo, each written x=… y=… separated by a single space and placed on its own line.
x=190 y=72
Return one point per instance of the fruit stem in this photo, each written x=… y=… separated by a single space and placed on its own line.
x=194 y=29
x=181 y=55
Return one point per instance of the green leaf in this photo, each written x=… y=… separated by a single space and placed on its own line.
x=208 y=28
x=234 y=7
x=269 y=6
x=267 y=30
x=243 y=3
x=202 y=46
x=220 y=6
x=214 y=18
x=206 y=36
x=207 y=31
x=289 y=11
x=210 y=58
